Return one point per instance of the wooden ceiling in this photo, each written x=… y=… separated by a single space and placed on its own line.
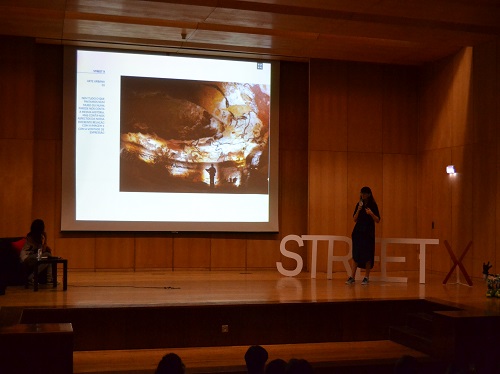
x=409 y=32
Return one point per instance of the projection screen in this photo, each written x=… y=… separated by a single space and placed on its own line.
x=169 y=143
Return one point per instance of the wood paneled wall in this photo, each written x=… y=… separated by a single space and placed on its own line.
x=343 y=125
x=17 y=91
x=30 y=160
x=396 y=129
x=362 y=131
x=458 y=121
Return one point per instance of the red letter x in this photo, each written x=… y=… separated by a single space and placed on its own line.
x=457 y=262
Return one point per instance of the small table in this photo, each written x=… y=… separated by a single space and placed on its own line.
x=52 y=261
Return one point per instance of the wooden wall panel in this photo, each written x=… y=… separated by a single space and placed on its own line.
x=153 y=253
x=80 y=252
x=47 y=134
x=400 y=207
x=227 y=253
x=328 y=124
x=364 y=111
x=293 y=159
x=58 y=190
x=496 y=260
x=441 y=206
x=17 y=95
x=16 y=186
x=494 y=111
x=437 y=101
x=114 y=253
x=293 y=196
x=425 y=215
x=484 y=212
x=328 y=186
x=458 y=119
x=434 y=105
x=17 y=91
x=49 y=91
x=192 y=252
x=263 y=251
x=378 y=105
x=400 y=110
x=45 y=168
x=400 y=195
x=486 y=93
x=486 y=98
x=461 y=113
x=328 y=201
x=462 y=221
x=294 y=101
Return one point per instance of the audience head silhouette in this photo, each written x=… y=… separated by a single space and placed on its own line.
x=277 y=366
x=255 y=358
x=170 y=364
x=299 y=366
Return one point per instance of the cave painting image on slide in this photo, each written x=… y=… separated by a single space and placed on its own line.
x=194 y=136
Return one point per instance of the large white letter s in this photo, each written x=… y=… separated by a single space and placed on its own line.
x=289 y=254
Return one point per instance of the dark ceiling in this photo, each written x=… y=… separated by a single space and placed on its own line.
x=409 y=32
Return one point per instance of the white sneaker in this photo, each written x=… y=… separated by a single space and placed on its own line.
x=365 y=281
x=350 y=280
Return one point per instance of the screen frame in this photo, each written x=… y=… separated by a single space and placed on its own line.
x=68 y=194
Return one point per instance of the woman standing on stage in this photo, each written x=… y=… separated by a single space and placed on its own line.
x=365 y=215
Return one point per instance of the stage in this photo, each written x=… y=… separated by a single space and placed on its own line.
x=162 y=288
x=211 y=317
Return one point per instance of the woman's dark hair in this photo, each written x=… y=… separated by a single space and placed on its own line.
x=37 y=230
x=370 y=199
x=37 y=227
x=366 y=190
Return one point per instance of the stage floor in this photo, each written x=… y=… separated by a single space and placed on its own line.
x=113 y=289
x=160 y=288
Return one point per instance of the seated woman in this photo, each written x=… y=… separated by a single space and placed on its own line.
x=36 y=239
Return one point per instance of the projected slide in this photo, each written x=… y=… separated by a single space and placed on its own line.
x=169 y=143
x=191 y=136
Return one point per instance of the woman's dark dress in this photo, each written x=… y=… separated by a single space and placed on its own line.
x=363 y=236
